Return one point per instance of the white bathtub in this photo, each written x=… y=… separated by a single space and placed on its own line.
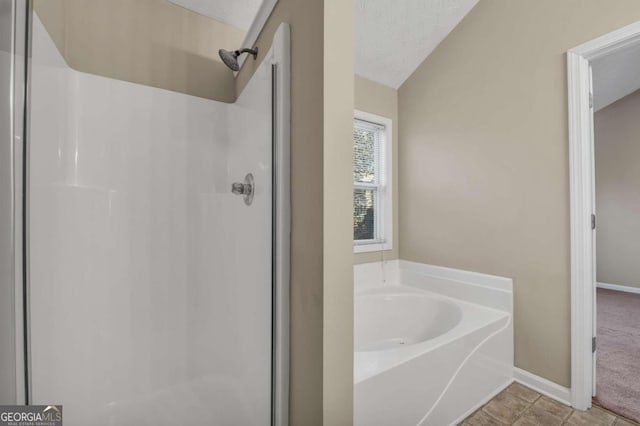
x=423 y=357
x=400 y=317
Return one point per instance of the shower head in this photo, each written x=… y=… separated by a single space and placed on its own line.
x=230 y=59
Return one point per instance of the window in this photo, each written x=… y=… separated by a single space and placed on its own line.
x=372 y=199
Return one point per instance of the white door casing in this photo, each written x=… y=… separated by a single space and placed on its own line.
x=582 y=205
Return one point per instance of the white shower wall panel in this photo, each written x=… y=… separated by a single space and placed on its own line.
x=150 y=283
x=233 y=285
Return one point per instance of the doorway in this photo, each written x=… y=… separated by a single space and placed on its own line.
x=600 y=72
x=617 y=195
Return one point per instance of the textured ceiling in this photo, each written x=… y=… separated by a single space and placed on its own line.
x=238 y=13
x=393 y=37
x=615 y=76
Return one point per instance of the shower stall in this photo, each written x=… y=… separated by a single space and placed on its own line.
x=145 y=277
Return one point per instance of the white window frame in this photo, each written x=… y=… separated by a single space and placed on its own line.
x=384 y=215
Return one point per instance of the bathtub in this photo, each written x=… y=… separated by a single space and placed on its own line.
x=423 y=356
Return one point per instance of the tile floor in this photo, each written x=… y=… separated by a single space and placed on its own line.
x=518 y=405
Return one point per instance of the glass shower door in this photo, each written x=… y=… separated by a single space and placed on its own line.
x=12 y=93
x=7 y=283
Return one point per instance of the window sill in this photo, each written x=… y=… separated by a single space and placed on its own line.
x=365 y=248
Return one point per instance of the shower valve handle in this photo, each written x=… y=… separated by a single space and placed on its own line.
x=245 y=188
x=241 y=188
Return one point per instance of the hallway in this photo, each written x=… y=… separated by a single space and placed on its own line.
x=618 y=357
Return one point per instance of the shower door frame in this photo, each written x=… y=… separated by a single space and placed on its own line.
x=16 y=138
x=279 y=57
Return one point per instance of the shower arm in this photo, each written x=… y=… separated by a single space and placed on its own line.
x=253 y=52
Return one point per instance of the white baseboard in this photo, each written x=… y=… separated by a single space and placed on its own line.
x=543 y=386
x=481 y=403
x=616 y=287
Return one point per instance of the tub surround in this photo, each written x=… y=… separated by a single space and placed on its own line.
x=369 y=276
x=444 y=369
x=473 y=287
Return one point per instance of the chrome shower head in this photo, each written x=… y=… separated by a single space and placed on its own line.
x=230 y=59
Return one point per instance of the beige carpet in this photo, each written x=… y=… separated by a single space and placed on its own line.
x=618 y=357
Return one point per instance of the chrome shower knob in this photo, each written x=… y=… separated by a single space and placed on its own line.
x=240 y=188
x=245 y=189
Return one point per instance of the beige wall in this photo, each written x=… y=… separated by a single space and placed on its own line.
x=338 y=216
x=617 y=152
x=321 y=289
x=484 y=168
x=150 y=42
x=382 y=100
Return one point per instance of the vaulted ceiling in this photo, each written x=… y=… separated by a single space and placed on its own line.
x=393 y=37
